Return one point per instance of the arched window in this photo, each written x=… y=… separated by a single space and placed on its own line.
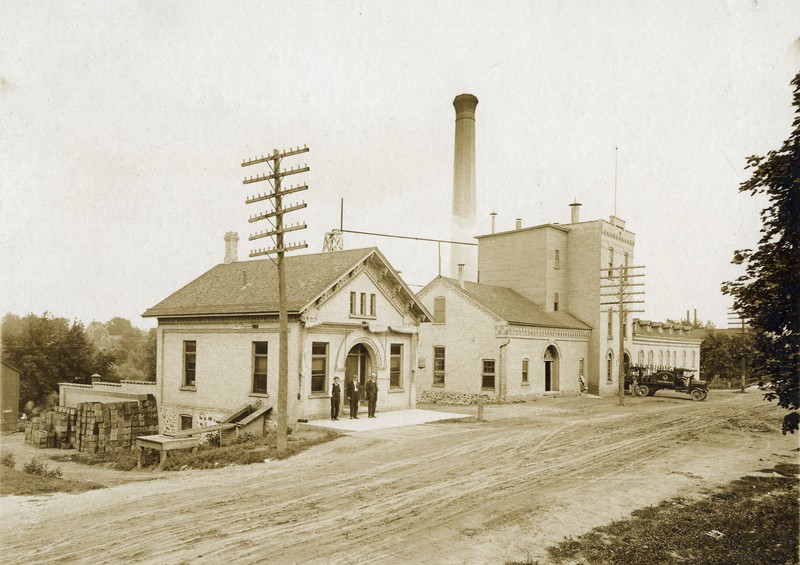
x=684 y=358
x=640 y=359
x=694 y=359
x=661 y=358
x=610 y=367
x=650 y=358
x=439 y=310
x=610 y=261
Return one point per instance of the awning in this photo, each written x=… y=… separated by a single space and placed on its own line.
x=377 y=328
x=404 y=329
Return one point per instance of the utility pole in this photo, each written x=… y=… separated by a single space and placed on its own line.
x=736 y=318
x=617 y=291
x=280 y=248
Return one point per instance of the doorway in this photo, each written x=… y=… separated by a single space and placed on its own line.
x=358 y=363
x=550 y=369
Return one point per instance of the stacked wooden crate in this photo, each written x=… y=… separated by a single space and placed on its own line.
x=95 y=427
x=38 y=435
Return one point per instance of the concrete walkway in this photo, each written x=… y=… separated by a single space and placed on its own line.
x=384 y=420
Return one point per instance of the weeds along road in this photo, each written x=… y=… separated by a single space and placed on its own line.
x=439 y=493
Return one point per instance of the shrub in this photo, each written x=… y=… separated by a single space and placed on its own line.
x=7 y=460
x=42 y=470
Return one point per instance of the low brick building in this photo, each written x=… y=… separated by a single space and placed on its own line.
x=491 y=341
x=350 y=313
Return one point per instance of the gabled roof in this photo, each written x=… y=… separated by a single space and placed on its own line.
x=251 y=287
x=511 y=306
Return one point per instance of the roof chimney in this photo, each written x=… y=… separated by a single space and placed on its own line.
x=519 y=224
x=576 y=211
x=231 y=247
x=461 y=275
x=494 y=217
x=463 y=226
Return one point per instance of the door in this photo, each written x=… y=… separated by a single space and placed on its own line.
x=358 y=363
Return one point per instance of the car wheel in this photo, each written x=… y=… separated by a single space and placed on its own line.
x=698 y=394
x=643 y=390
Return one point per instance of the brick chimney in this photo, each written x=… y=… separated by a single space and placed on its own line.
x=231 y=247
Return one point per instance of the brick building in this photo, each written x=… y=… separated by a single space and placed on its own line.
x=555 y=270
x=350 y=313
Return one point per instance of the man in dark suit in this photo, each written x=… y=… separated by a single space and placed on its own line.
x=372 y=396
x=352 y=395
x=336 y=398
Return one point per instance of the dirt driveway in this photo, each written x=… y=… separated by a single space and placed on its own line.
x=437 y=493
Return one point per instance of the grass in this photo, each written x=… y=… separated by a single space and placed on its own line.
x=753 y=519
x=25 y=484
x=247 y=450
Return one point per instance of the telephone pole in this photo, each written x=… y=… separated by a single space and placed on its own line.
x=280 y=248
x=735 y=317
x=620 y=291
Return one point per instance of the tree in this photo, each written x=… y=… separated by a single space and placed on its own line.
x=768 y=294
x=47 y=351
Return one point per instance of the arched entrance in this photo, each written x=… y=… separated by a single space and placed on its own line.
x=359 y=363
x=550 y=369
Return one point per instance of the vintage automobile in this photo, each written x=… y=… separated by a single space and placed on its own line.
x=679 y=380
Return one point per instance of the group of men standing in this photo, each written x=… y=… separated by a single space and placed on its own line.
x=353 y=396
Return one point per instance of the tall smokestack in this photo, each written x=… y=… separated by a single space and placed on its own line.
x=576 y=211
x=464 y=187
x=231 y=247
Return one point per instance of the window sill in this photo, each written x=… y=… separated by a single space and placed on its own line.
x=438 y=385
x=488 y=389
x=189 y=388
x=396 y=389
x=259 y=394
x=318 y=395
x=526 y=384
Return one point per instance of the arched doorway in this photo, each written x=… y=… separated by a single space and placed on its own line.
x=550 y=369
x=359 y=363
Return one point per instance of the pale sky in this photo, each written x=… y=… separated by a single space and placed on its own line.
x=123 y=126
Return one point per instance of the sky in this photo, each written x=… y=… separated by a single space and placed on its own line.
x=123 y=126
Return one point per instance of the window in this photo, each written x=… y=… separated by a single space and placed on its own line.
x=524 y=371
x=580 y=367
x=487 y=376
x=650 y=358
x=319 y=366
x=610 y=324
x=363 y=310
x=438 y=309
x=372 y=305
x=186 y=422
x=694 y=359
x=684 y=358
x=189 y=362
x=352 y=303
x=610 y=367
x=438 y=366
x=260 y=367
x=625 y=330
x=610 y=261
x=557 y=260
x=640 y=359
x=626 y=265
x=396 y=365
x=555 y=302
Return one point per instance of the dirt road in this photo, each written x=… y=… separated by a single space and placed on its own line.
x=438 y=493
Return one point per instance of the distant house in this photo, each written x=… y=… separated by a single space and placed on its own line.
x=350 y=313
x=9 y=397
x=492 y=341
x=99 y=335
